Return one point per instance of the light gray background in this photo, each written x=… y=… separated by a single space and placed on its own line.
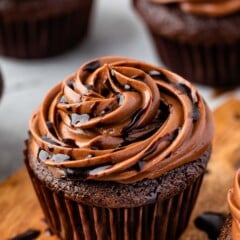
x=115 y=30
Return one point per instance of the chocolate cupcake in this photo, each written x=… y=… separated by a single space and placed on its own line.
x=42 y=28
x=231 y=229
x=200 y=40
x=118 y=150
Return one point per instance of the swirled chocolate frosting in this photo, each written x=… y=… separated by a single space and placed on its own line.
x=118 y=119
x=215 y=8
x=234 y=205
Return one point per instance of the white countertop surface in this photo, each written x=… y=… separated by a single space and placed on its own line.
x=115 y=30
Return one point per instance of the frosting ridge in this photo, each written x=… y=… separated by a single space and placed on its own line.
x=118 y=119
x=234 y=205
x=215 y=8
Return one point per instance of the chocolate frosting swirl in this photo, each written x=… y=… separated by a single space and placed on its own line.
x=214 y=8
x=234 y=205
x=118 y=119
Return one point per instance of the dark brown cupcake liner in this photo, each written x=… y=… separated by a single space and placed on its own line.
x=213 y=65
x=68 y=219
x=44 y=37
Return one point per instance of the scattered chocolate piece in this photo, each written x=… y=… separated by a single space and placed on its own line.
x=30 y=234
x=158 y=76
x=127 y=87
x=79 y=118
x=195 y=113
x=71 y=84
x=58 y=158
x=63 y=100
x=43 y=155
x=92 y=66
x=211 y=223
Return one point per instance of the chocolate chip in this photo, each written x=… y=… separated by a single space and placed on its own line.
x=79 y=118
x=63 y=100
x=58 y=158
x=127 y=87
x=211 y=223
x=92 y=66
x=71 y=84
x=158 y=76
x=30 y=234
x=195 y=112
x=69 y=142
x=43 y=155
x=120 y=98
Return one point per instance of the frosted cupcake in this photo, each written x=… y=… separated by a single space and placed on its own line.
x=42 y=28
x=198 y=39
x=118 y=150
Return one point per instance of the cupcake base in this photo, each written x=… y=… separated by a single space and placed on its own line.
x=214 y=65
x=69 y=219
x=150 y=209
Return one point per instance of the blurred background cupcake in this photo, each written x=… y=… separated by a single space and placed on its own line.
x=42 y=28
x=231 y=228
x=199 y=40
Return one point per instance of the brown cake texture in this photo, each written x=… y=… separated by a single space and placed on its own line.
x=42 y=28
x=202 y=46
x=118 y=150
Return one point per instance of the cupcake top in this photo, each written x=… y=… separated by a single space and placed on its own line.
x=212 y=8
x=118 y=119
x=234 y=205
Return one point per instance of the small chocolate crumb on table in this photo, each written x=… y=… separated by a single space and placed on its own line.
x=20 y=210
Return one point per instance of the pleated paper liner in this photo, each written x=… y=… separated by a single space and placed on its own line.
x=213 y=65
x=71 y=220
x=44 y=37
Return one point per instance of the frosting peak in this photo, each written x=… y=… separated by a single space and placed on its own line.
x=118 y=119
x=215 y=8
x=234 y=205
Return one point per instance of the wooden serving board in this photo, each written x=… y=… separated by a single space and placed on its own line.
x=20 y=210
